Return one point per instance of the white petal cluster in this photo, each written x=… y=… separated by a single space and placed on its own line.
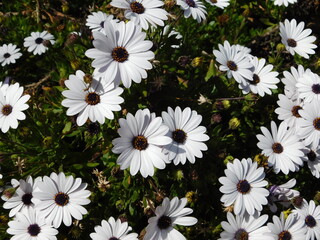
x=38 y=42
x=9 y=53
x=194 y=8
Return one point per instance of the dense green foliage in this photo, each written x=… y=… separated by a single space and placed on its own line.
x=49 y=141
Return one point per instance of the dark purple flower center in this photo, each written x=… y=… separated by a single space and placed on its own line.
x=316 y=88
x=120 y=54
x=255 y=79
x=277 y=148
x=241 y=234
x=291 y=42
x=92 y=98
x=6 y=55
x=39 y=40
x=232 y=65
x=311 y=156
x=34 y=230
x=102 y=24
x=316 y=124
x=164 y=222
x=6 y=109
x=191 y=3
x=284 y=235
x=179 y=136
x=26 y=199
x=114 y=238
x=243 y=186
x=140 y=143
x=61 y=199
x=295 y=111
x=137 y=7
x=310 y=221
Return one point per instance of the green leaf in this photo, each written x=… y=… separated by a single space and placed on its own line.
x=77 y=166
x=92 y=164
x=67 y=128
x=211 y=71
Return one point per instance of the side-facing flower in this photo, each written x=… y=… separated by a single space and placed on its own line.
x=308 y=87
x=219 y=3
x=38 y=42
x=312 y=157
x=244 y=227
x=140 y=143
x=59 y=198
x=286 y=228
x=113 y=230
x=95 y=100
x=9 y=53
x=296 y=38
x=22 y=197
x=187 y=136
x=284 y=2
x=243 y=186
x=143 y=12
x=236 y=63
x=31 y=224
x=282 y=147
x=122 y=55
x=12 y=103
x=194 y=8
x=97 y=20
x=169 y=214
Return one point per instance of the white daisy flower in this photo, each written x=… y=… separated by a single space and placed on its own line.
x=243 y=228
x=59 y=198
x=286 y=228
x=296 y=38
x=235 y=63
x=284 y=2
x=310 y=217
x=194 y=8
x=243 y=186
x=282 y=147
x=97 y=20
x=169 y=214
x=308 y=87
x=288 y=110
x=143 y=12
x=219 y=3
x=282 y=194
x=94 y=100
x=140 y=143
x=30 y=224
x=290 y=80
x=243 y=49
x=22 y=197
x=122 y=55
x=113 y=230
x=12 y=103
x=9 y=53
x=308 y=126
x=263 y=78
x=312 y=157
x=187 y=136
x=38 y=42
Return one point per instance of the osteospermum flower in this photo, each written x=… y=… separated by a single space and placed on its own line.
x=296 y=38
x=243 y=186
x=286 y=228
x=263 y=78
x=194 y=8
x=22 y=197
x=288 y=110
x=114 y=230
x=308 y=87
x=59 y=198
x=282 y=147
x=12 y=103
x=30 y=224
x=187 y=136
x=308 y=126
x=243 y=228
x=310 y=218
x=219 y=3
x=169 y=214
x=38 y=42
x=122 y=55
x=284 y=2
x=9 y=53
x=140 y=143
x=143 y=12
x=290 y=80
x=95 y=100
x=235 y=63
x=97 y=20
x=312 y=157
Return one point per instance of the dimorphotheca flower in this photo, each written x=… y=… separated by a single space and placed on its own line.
x=9 y=53
x=194 y=8
x=39 y=42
